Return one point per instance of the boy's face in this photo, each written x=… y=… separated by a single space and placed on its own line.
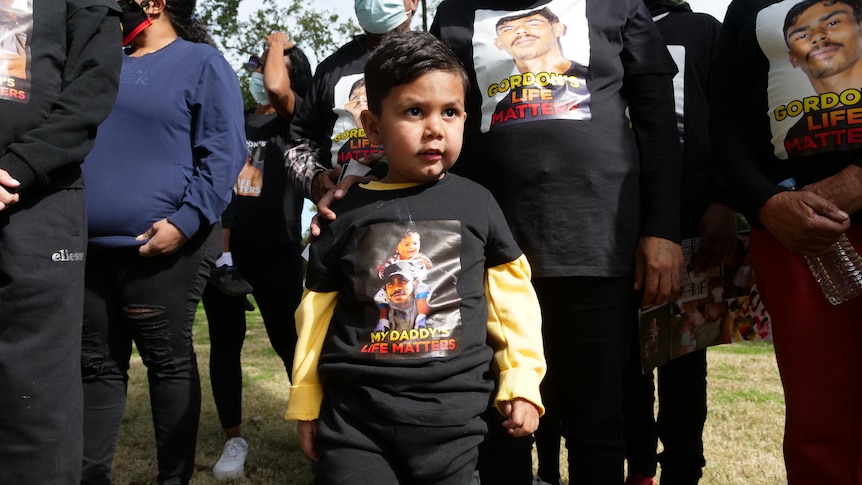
x=421 y=127
x=408 y=246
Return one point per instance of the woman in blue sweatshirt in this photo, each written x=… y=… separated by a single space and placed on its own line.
x=157 y=181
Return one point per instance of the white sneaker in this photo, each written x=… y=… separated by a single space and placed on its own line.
x=232 y=461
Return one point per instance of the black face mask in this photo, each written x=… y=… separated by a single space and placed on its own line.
x=135 y=19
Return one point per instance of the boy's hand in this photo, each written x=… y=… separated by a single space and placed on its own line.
x=307 y=431
x=522 y=417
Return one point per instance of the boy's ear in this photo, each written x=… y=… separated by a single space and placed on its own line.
x=371 y=125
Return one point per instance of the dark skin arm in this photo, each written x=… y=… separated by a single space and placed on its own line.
x=330 y=189
x=276 y=78
x=803 y=221
x=718 y=237
x=843 y=189
x=658 y=269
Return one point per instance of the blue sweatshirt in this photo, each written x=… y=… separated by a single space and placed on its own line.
x=171 y=148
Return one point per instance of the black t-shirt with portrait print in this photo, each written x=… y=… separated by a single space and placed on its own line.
x=775 y=125
x=324 y=118
x=577 y=186
x=267 y=215
x=438 y=374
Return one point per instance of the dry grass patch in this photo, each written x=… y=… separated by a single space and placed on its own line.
x=742 y=435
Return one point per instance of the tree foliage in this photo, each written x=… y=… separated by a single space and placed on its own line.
x=318 y=32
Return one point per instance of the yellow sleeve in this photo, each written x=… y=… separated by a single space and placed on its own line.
x=515 y=332
x=312 y=322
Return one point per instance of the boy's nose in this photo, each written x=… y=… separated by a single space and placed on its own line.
x=433 y=126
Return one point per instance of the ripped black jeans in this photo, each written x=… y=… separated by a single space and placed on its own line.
x=151 y=302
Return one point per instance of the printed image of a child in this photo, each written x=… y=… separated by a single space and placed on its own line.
x=405 y=406
x=414 y=266
x=408 y=252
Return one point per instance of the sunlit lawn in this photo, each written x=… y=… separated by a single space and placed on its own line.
x=742 y=435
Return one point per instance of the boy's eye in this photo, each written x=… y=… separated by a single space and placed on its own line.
x=450 y=112
x=414 y=111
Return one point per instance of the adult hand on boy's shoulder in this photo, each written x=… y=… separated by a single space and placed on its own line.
x=522 y=417
x=307 y=431
x=324 y=182
x=336 y=192
x=334 y=182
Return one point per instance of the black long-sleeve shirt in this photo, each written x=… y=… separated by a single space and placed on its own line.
x=69 y=88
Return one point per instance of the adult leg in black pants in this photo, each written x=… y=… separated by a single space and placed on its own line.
x=587 y=323
x=640 y=426
x=504 y=459
x=548 y=434
x=681 y=416
x=277 y=283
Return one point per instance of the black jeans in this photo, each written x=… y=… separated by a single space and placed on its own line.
x=277 y=283
x=681 y=416
x=587 y=324
x=42 y=243
x=151 y=302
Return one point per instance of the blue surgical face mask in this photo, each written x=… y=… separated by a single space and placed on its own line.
x=255 y=87
x=380 y=16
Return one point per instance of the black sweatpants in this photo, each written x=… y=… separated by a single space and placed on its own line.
x=358 y=448
x=43 y=239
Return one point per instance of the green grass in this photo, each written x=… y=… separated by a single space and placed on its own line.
x=742 y=436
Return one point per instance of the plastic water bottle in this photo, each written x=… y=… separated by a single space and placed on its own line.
x=839 y=272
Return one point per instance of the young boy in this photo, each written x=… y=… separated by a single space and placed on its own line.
x=388 y=406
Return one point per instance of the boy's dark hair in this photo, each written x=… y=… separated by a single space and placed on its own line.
x=402 y=57
x=797 y=10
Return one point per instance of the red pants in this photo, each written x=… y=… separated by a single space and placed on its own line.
x=819 y=351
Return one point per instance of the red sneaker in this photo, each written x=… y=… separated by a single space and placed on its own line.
x=640 y=480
